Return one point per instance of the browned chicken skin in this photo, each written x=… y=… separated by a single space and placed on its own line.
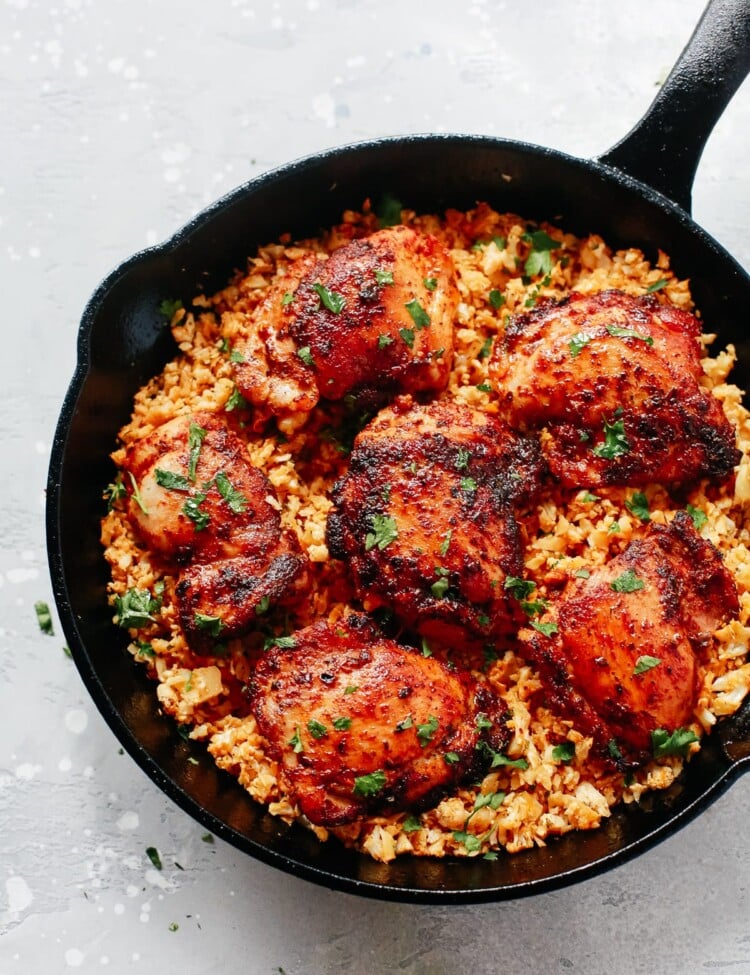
x=622 y=660
x=360 y=723
x=615 y=380
x=373 y=319
x=425 y=517
x=196 y=499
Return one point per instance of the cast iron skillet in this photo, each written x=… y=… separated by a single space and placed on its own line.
x=636 y=194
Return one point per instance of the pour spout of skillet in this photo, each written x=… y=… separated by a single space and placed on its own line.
x=664 y=148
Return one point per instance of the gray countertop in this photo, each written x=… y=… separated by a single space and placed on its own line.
x=120 y=121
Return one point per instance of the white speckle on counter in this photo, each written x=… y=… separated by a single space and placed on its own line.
x=74 y=958
x=119 y=909
x=76 y=721
x=324 y=108
x=128 y=821
x=65 y=764
x=19 y=894
x=17 y=576
x=27 y=771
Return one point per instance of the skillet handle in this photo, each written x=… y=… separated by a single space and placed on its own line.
x=665 y=146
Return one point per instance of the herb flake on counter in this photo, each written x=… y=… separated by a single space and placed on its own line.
x=153 y=854
x=44 y=617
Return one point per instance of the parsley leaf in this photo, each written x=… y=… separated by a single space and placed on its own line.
x=615 y=442
x=451 y=758
x=192 y=509
x=418 y=315
x=484 y=387
x=384 y=340
x=235 y=499
x=389 y=211
x=546 y=629
x=462 y=459
x=430 y=283
x=263 y=605
x=426 y=731
x=678 y=743
x=645 y=663
x=445 y=544
x=137 y=494
x=698 y=517
x=171 y=481
x=564 y=752
x=405 y=723
x=539 y=260
x=169 y=307
x=439 y=588
x=637 y=504
x=468 y=484
x=135 y=608
x=383 y=277
x=44 y=618
x=196 y=436
x=657 y=286
x=306 y=355
x=213 y=625
x=579 y=341
x=496 y=299
x=296 y=742
x=407 y=334
x=115 y=491
x=627 y=582
x=384 y=531
x=316 y=729
x=411 y=824
x=620 y=332
x=369 y=785
x=342 y=724
x=472 y=843
x=236 y=356
x=287 y=298
x=331 y=300
x=520 y=588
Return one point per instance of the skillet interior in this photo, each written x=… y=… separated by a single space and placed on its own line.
x=123 y=342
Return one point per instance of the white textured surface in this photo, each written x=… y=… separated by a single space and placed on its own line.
x=120 y=120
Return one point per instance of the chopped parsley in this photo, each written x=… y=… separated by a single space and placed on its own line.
x=418 y=315
x=192 y=509
x=482 y=722
x=439 y=588
x=678 y=743
x=342 y=724
x=316 y=729
x=426 y=731
x=520 y=588
x=144 y=649
x=407 y=334
x=496 y=298
x=382 y=276
x=153 y=854
x=539 y=260
x=430 y=283
x=426 y=650
x=582 y=574
x=499 y=760
x=468 y=484
x=588 y=498
x=171 y=481
x=283 y=642
x=445 y=544
x=657 y=286
x=384 y=531
x=534 y=607
x=546 y=629
x=486 y=348
x=263 y=605
x=137 y=494
x=614 y=750
x=615 y=442
x=213 y=625
x=451 y=758
x=351 y=689
x=287 y=298
x=405 y=723
x=136 y=608
x=564 y=752
x=331 y=300
x=369 y=785
x=235 y=499
x=645 y=663
x=196 y=436
x=637 y=504
x=236 y=356
x=411 y=824
x=462 y=459
x=306 y=355
x=115 y=491
x=579 y=341
x=627 y=582
x=384 y=341
x=296 y=742
x=389 y=211
x=699 y=518
x=620 y=332
x=472 y=843
x=169 y=308
x=484 y=387
x=44 y=618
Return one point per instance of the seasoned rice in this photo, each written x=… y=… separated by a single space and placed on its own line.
x=566 y=531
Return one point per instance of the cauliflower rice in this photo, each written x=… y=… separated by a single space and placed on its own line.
x=541 y=795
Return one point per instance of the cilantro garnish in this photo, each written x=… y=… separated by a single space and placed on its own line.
x=411 y=824
x=426 y=731
x=645 y=663
x=417 y=313
x=539 y=260
x=384 y=340
x=196 y=436
x=287 y=298
x=136 y=608
x=430 y=283
x=657 y=286
x=678 y=743
x=620 y=332
x=171 y=481
x=115 y=491
x=384 y=531
x=201 y=519
x=546 y=629
x=445 y=544
x=407 y=334
x=579 y=341
x=316 y=729
x=462 y=459
x=637 y=504
x=627 y=582
x=564 y=752
x=284 y=642
x=342 y=724
x=137 y=494
x=699 y=518
x=213 y=625
x=369 y=785
x=389 y=211
x=331 y=300
x=306 y=355
x=383 y=277
x=169 y=307
x=520 y=588
x=235 y=499
x=496 y=299
x=296 y=742
x=439 y=588
x=615 y=442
